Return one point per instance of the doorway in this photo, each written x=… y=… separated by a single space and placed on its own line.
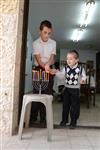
x=82 y=53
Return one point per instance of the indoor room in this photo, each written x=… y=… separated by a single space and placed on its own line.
x=66 y=18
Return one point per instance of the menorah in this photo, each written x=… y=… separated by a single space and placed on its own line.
x=40 y=80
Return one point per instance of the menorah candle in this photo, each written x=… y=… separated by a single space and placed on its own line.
x=37 y=75
x=48 y=77
x=33 y=75
x=40 y=74
x=44 y=75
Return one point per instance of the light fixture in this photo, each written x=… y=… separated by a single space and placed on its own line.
x=77 y=34
x=87 y=12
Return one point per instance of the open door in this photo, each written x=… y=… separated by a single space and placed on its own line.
x=28 y=67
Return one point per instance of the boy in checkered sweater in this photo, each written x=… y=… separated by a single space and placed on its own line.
x=74 y=76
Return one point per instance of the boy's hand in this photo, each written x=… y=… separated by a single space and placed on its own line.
x=82 y=82
x=53 y=71
x=47 y=68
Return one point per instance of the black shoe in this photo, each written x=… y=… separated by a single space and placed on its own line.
x=62 y=124
x=72 y=126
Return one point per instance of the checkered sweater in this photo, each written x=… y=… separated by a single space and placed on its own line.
x=73 y=76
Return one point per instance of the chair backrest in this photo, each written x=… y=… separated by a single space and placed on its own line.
x=90 y=72
x=90 y=77
x=88 y=89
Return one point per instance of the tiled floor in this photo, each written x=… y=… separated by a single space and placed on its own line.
x=82 y=138
x=88 y=116
x=62 y=139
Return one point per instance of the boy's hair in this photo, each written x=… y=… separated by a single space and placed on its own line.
x=76 y=54
x=45 y=23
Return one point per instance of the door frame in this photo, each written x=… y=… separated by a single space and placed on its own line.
x=23 y=59
x=23 y=56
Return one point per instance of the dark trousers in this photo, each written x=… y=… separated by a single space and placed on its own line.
x=37 y=107
x=71 y=105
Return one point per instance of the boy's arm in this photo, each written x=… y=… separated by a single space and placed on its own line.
x=36 y=54
x=51 y=58
x=50 y=62
x=83 y=77
x=61 y=74
x=48 y=69
x=39 y=61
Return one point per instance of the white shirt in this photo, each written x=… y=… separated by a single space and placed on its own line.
x=45 y=49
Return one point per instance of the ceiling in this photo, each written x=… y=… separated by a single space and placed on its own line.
x=65 y=15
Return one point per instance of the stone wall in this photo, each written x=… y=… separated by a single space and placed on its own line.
x=11 y=22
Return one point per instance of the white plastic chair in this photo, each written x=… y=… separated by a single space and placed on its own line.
x=47 y=101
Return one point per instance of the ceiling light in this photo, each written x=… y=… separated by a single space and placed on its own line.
x=77 y=34
x=86 y=17
x=87 y=12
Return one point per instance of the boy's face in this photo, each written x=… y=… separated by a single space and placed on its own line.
x=45 y=34
x=71 y=59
